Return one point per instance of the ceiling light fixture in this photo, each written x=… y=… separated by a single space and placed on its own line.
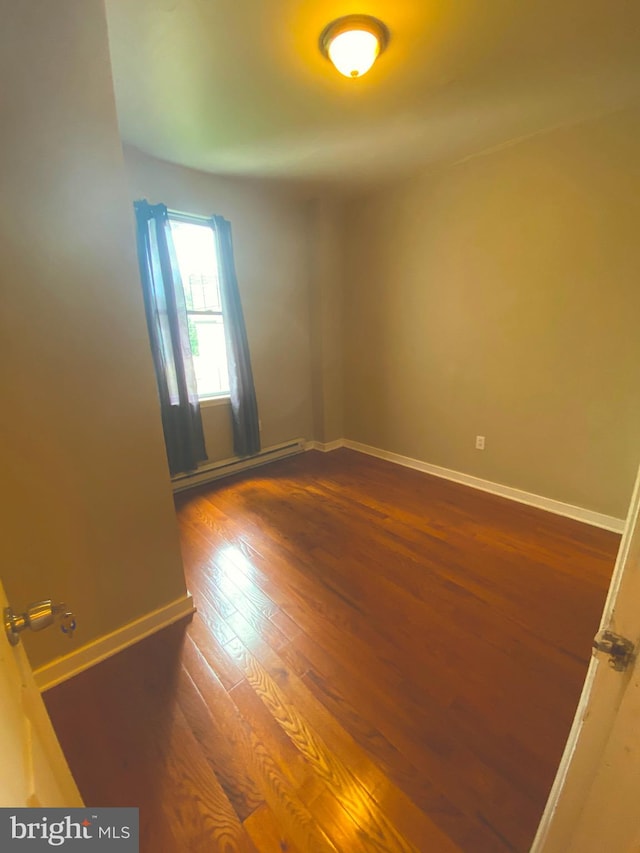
x=353 y=43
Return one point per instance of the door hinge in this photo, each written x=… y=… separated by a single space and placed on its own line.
x=620 y=649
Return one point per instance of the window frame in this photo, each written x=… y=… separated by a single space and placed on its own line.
x=208 y=400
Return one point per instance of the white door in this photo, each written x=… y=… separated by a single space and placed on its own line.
x=594 y=805
x=33 y=770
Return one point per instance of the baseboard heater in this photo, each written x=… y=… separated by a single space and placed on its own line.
x=226 y=467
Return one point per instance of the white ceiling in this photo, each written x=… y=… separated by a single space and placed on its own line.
x=239 y=86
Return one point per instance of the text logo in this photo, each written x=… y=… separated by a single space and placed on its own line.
x=32 y=830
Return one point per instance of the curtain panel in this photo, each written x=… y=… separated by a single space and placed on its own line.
x=169 y=336
x=244 y=408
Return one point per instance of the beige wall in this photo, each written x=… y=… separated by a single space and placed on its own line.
x=86 y=506
x=326 y=263
x=270 y=229
x=501 y=297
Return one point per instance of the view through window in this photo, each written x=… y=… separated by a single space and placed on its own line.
x=196 y=253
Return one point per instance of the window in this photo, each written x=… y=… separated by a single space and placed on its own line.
x=196 y=253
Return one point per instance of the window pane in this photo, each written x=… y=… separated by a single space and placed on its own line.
x=196 y=253
x=209 y=354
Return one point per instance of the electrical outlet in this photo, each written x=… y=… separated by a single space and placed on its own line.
x=479 y=442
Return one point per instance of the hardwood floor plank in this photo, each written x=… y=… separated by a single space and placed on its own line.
x=387 y=765
x=181 y=803
x=266 y=831
x=202 y=633
x=218 y=735
x=292 y=814
x=201 y=812
x=286 y=624
x=253 y=753
x=249 y=623
x=98 y=761
x=349 y=791
x=293 y=765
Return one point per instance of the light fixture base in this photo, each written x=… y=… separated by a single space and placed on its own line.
x=354 y=22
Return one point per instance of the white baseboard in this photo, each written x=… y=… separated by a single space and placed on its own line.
x=597 y=519
x=325 y=447
x=77 y=661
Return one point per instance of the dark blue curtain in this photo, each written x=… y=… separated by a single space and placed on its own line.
x=244 y=408
x=168 y=332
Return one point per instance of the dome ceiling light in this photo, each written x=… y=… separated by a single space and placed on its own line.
x=353 y=43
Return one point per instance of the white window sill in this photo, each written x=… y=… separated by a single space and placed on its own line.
x=208 y=402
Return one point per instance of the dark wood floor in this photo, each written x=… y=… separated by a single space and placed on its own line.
x=381 y=661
